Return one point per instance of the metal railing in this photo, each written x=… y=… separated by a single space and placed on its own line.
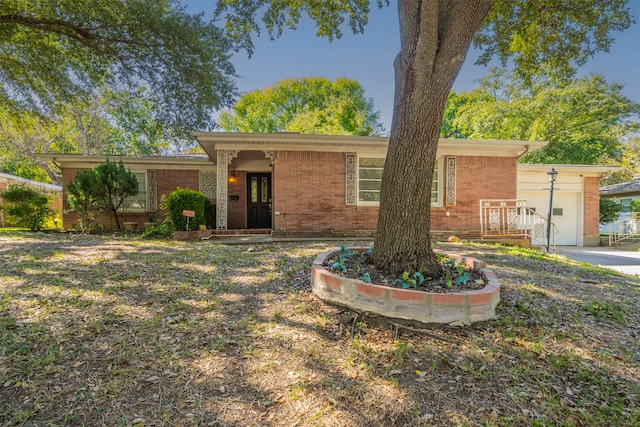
x=623 y=230
x=511 y=218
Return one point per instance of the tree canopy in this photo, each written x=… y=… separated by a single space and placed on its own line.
x=110 y=122
x=583 y=119
x=306 y=105
x=435 y=37
x=54 y=52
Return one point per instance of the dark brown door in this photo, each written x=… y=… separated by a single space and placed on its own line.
x=259 y=200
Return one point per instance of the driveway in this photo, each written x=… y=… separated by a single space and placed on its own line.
x=627 y=262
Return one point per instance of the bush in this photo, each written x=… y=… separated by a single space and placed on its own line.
x=84 y=195
x=27 y=206
x=160 y=229
x=184 y=199
x=210 y=214
x=609 y=210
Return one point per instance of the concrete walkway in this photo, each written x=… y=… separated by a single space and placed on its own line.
x=627 y=262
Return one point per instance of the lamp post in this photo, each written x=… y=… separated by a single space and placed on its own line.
x=552 y=174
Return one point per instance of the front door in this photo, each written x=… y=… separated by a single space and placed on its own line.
x=259 y=200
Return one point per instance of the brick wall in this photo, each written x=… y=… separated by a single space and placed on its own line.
x=167 y=180
x=591 y=211
x=477 y=178
x=309 y=194
x=236 y=209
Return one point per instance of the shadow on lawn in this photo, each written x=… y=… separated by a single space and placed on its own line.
x=104 y=331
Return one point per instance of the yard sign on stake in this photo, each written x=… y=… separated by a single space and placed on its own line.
x=188 y=214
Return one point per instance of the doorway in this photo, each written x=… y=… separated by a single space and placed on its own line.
x=258 y=200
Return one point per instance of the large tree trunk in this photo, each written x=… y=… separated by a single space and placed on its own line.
x=435 y=37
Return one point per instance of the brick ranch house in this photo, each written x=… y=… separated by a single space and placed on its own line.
x=293 y=185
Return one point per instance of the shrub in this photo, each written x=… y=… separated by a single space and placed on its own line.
x=210 y=214
x=107 y=186
x=159 y=229
x=27 y=206
x=84 y=195
x=117 y=184
x=609 y=210
x=185 y=199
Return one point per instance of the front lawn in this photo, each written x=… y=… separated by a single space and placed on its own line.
x=114 y=330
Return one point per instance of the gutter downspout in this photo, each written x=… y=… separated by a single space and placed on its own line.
x=526 y=150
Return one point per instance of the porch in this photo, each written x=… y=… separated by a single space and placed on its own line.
x=513 y=220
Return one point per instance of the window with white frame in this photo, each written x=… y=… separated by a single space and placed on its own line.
x=138 y=203
x=370 y=178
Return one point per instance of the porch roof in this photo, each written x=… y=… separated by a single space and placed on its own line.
x=292 y=141
x=84 y=161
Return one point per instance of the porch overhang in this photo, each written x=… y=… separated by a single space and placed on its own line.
x=211 y=142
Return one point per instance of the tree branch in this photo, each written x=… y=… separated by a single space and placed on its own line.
x=88 y=36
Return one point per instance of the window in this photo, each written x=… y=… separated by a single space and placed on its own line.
x=370 y=178
x=435 y=184
x=626 y=205
x=556 y=211
x=139 y=201
x=254 y=189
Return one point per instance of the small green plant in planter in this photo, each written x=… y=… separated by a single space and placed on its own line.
x=410 y=281
x=463 y=275
x=448 y=280
x=340 y=263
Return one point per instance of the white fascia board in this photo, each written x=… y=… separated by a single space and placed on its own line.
x=81 y=161
x=212 y=141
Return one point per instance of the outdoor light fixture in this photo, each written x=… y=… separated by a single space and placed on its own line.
x=552 y=174
x=232 y=178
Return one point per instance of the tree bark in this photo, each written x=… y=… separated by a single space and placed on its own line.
x=435 y=37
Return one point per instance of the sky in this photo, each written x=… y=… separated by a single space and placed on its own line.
x=368 y=58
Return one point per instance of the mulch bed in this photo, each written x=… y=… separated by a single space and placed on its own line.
x=454 y=278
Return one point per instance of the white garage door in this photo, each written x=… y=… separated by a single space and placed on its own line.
x=565 y=213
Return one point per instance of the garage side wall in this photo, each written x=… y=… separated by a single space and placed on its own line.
x=592 y=211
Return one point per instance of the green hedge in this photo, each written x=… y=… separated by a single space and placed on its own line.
x=210 y=214
x=184 y=199
x=26 y=207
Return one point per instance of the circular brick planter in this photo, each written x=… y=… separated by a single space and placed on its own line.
x=428 y=307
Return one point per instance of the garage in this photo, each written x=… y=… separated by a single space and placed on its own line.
x=565 y=213
x=575 y=199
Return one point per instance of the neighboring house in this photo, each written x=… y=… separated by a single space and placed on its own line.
x=294 y=185
x=626 y=224
x=51 y=190
x=624 y=193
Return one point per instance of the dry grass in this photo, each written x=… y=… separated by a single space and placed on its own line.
x=98 y=330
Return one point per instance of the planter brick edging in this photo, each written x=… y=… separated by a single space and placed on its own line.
x=426 y=307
